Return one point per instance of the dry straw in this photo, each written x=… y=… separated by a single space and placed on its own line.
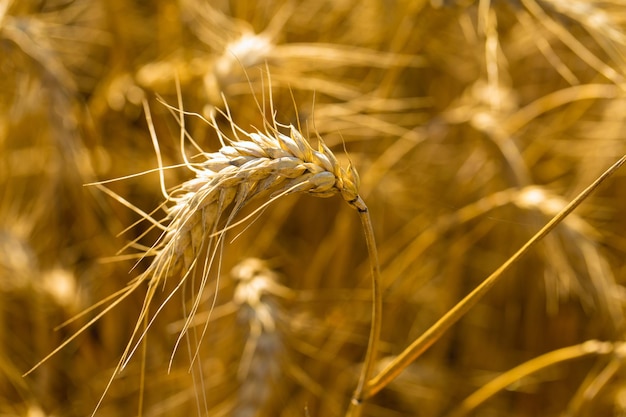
x=535 y=365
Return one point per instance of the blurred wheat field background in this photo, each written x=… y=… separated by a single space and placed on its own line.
x=470 y=123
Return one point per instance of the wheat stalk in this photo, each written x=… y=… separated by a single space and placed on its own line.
x=594 y=20
x=263 y=163
x=537 y=364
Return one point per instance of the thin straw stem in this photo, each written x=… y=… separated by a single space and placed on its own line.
x=374 y=338
x=569 y=353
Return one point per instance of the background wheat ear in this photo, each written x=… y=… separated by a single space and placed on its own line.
x=259 y=372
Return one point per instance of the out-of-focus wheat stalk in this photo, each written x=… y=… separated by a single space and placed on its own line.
x=455 y=313
x=517 y=374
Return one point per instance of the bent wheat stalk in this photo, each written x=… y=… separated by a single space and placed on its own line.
x=265 y=163
x=261 y=164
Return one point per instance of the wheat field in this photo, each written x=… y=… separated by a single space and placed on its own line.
x=312 y=208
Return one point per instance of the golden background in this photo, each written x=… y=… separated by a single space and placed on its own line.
x=471 y=125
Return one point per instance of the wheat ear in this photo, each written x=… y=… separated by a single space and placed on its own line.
x=256 y=297
x=263 y=163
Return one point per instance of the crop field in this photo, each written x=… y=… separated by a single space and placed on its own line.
x=312 y=208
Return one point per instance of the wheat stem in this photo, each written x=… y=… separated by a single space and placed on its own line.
x=569 y=353
x=374 y=338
